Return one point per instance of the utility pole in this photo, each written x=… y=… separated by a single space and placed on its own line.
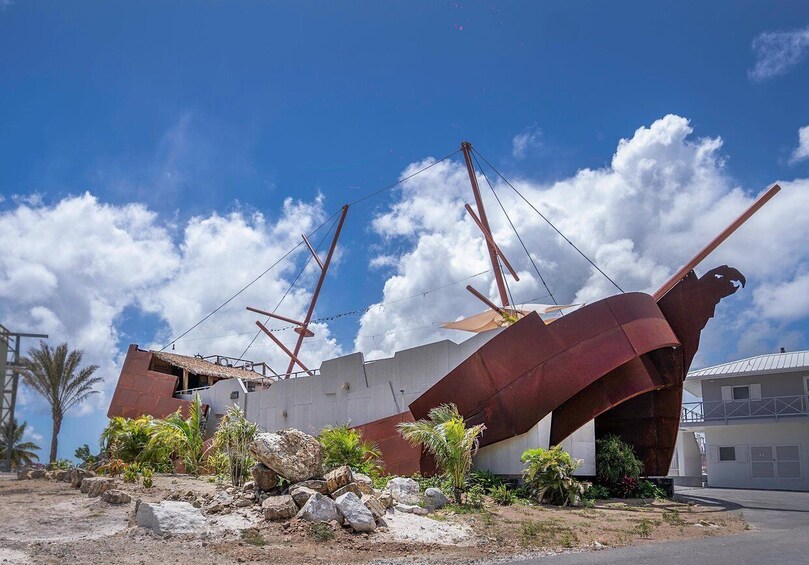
x=9 y=378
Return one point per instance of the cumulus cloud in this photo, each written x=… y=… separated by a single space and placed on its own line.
x=802 y=150
x=664 y=195
x=778 y=51
x=73 y=268
x=32 y=435
x=523 y=142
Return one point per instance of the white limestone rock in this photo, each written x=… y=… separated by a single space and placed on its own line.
x=365 y=483
x=360 y=518
x=320 y=508
x=372 y=504
x=411 y=509
x=294 y=455
x=170 y=517
x=300 y=494
x=404 y=490
x=96 y=486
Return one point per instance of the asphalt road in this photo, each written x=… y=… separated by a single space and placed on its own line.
x=779 y=534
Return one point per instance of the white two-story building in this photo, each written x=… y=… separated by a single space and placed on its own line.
x=754 y=414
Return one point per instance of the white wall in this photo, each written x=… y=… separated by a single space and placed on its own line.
x=738 y=474
x=686 y=464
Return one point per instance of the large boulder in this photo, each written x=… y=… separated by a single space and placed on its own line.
x=435 y=499
x=355 y=513
x=404 y=490
x=300 y=494
x=279 y=507
x=96 y=486
x=115 y=496
x=264 y=478
x=294 y=455
x=320 y=508
x=338 y=478
x=170 y=517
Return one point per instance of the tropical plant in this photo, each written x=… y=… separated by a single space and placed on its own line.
x=548 y=474
x=183 y=435
x=84 y=455
x=597 y=492
x=450 y=442
x=233 y=435
x=63 y=464
x=615 y=459
x=647 y=489
x=146 y=474
x=131 y=473
x=485 y=479
x=114 y=464
x=502 y=495
x=132 y=440
x=55 y=374
x=345 y=446
x=22 y=452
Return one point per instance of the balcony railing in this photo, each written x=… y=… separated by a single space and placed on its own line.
x=724 y=410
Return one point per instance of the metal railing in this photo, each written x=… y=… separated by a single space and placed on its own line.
x=724 y=410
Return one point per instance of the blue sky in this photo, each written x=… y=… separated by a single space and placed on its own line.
x=161 y=141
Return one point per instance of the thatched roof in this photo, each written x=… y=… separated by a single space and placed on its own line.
x=202 y=367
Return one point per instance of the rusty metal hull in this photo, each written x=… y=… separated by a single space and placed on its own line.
x=620 y=361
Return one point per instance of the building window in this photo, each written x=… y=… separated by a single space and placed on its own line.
x=727 y=453
x=741 y=393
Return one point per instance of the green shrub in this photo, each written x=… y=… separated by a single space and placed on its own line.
x=131 y=473
x=644 y=528
x=146 y=474
x=548 y=475
x=344 y=446
x=62 y=464
x=474 y=497
x=647 y=489
x=615 y=459
x=84 y=455
x=484 y=478
x=502 y=495
x=321 y=531
x=597 y=492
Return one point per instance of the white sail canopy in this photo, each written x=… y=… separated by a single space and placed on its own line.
x=491 y=319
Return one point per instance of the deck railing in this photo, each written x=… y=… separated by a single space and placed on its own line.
x=724 y=410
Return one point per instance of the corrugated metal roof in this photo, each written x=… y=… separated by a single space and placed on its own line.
x=759 y=364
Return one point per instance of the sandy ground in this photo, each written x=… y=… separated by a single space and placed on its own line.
x=48 y=522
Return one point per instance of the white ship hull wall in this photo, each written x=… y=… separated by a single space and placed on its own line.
x=350 y=390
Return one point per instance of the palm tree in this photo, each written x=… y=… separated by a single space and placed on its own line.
x=345 y=446
x=184 y=436
x=450 y=442
x=22 y=452
x=55 y=374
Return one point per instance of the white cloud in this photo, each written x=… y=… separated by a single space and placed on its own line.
x=32 y=435
x=71 y=269
x=778 y=51
x=663 y=197
x=802 y=150
x=522 y=142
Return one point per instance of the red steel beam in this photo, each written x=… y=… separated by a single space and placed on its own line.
x=485 y=300
x=323 y=271
x=679 y=275
x=491 y=241
x=276 y=316
x=466 y=147
x=280 y=344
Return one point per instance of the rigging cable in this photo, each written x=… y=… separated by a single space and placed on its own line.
x=541 y=215
x=248 y=285
x=503 y=208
